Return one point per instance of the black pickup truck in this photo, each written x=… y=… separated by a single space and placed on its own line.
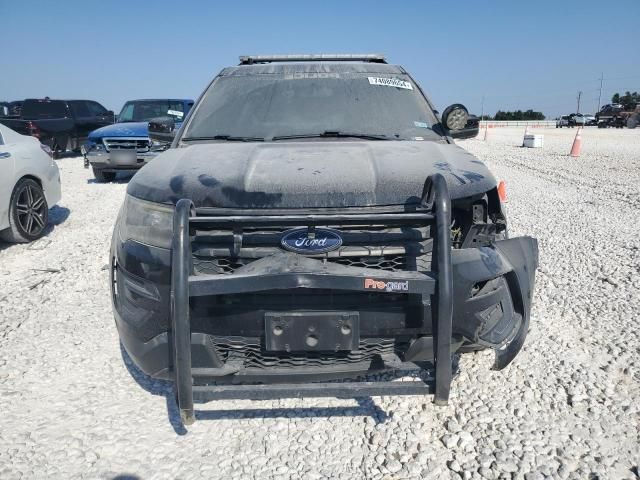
x=61 y=124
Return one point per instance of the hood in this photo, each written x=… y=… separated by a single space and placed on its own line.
x=129 y=129
x=307 y=174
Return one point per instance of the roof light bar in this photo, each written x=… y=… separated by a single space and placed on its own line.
x=323 y=57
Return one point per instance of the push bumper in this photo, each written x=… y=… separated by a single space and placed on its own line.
x=449 y=313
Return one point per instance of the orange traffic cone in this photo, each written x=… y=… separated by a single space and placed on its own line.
x=502 y=191
x=577 y=143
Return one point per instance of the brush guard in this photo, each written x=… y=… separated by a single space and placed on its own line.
x=436 y=206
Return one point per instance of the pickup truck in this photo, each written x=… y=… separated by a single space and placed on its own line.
x=62 y=125
x=126 y=144
x=614 y=115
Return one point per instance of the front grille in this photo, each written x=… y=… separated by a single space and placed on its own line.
x=141 y=145
x=390 y=263
x=251 y=353
x=228 y=265
x=220 y=265
x=380 y=248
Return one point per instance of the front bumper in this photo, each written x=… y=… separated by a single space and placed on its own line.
x=116 y=161
x=498 y=319
x=169 y=329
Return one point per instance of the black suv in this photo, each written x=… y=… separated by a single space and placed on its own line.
x=313 y=220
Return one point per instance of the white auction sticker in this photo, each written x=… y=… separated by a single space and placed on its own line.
x=390 y=82
x=176 y=113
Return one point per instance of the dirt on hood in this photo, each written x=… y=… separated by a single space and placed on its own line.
x=313 y=174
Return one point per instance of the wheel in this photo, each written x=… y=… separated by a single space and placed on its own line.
x=103 y=176
x=28 y=213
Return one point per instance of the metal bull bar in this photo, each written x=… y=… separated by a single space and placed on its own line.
x=436 y=204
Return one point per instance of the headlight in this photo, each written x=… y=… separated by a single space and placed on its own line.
x=146 y=222
x=158 y=146
x=92 y=144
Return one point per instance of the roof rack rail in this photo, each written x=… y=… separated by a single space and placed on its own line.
x=323 y=57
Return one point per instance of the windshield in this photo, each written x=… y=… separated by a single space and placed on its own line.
x=145 y=110
x=277 y=106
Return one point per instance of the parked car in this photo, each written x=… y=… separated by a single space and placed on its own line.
x=62 y=125
x=563 y=121
x=590 y=119
x=29 y=185
x=314 y=220
x=577 y=119
x=126 y=144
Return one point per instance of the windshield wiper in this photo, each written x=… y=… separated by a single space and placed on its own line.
x=228 y=138
x=332 y=134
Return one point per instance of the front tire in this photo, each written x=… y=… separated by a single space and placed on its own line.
x=28 y=213
x=102 y=176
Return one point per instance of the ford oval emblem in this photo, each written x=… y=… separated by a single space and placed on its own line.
x=323 y=241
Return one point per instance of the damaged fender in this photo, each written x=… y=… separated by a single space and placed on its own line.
x=498 y=319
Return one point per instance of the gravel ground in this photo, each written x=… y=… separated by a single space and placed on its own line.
x=568 y=407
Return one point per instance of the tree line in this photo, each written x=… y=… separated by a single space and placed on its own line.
x=628 y=101
x=516 y=115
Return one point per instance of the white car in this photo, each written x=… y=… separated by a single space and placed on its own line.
x=29 y=185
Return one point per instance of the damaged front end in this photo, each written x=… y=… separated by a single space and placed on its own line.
x=267 y=323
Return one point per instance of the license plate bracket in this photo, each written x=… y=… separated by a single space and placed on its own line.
x=312 y=331
x=125 y=157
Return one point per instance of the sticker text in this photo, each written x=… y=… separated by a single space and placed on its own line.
x=390 y=82
x=386 y=286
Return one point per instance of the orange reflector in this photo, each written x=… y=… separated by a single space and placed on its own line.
x=502 y=191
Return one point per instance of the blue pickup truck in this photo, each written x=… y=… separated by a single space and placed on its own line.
x=126 y=145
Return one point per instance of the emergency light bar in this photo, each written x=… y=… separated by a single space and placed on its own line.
x=323 y=57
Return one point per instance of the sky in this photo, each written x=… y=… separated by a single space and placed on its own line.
x=516 y=55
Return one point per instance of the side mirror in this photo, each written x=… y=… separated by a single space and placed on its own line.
x=162 y=129
x=457 y=121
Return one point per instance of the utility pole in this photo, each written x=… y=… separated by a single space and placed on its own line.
x=600 y=95
x=482 y=108
x=579 y=95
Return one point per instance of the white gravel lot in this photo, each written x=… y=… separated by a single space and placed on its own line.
x=568 y=407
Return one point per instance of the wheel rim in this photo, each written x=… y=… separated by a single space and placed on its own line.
x=31 y=209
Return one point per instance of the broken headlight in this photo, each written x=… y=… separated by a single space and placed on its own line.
x=146 y=222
